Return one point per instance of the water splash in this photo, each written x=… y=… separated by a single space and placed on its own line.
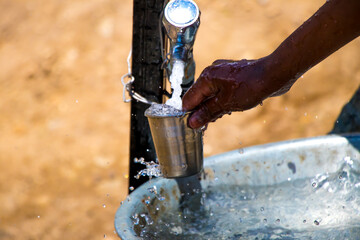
x=163 y=110
x=152 y=169
x=327 y=206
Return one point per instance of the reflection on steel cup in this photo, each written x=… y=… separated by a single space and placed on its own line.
x=179 y=148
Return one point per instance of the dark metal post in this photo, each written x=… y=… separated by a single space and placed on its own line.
x=146 y=68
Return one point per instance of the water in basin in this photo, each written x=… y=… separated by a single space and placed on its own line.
x=326 y=206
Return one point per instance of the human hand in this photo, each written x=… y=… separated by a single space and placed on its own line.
x=226 y=86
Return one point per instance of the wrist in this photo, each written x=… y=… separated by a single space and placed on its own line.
x=279 y=75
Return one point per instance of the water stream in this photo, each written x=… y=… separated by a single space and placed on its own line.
x=176 y=78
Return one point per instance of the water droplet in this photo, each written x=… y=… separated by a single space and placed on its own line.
x=136 y=219
x=104 y=206
x=304 y=221
x=317 y=222
x=131 y=188
x=148 y=220
x=121 y=203
x=277 y=220
x=313 y=184
x=38 y=216
x=241 y=151
x=184 y=165
x=76 y=101
x=104 y=235
x=265 y=220
x=152 y=189
x=216 y=179
x=261 y=104
x=262 y=209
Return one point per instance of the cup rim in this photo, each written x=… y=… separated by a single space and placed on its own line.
x=183 y=114
x=180 y=114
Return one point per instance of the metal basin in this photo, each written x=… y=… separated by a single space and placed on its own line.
x=254 y=166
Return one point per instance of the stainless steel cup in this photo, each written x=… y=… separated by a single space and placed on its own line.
x=179 y=148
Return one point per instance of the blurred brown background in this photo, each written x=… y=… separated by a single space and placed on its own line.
x=64 y=130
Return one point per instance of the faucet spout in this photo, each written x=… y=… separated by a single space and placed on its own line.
x=181 y=21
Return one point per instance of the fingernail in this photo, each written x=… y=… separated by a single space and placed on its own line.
x=195 y=121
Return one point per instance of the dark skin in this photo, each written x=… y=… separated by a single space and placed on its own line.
x=229 y=85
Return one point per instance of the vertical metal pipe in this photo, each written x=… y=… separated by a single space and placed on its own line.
x=146 y=68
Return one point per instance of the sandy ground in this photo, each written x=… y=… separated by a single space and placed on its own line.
x=64 y=130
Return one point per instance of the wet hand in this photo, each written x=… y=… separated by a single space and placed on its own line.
x=223 y=87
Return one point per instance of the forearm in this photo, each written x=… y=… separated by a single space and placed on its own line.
x=335 y=24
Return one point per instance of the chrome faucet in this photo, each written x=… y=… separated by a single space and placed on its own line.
x=181 y=20
x=179 y=149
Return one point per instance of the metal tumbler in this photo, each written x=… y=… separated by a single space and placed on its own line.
x=179 y=148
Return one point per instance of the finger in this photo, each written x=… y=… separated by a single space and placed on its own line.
x=201 y=90
x=221 y=61
x=208 y=111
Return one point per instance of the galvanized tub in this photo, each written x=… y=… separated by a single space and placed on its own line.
x=258 y=165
